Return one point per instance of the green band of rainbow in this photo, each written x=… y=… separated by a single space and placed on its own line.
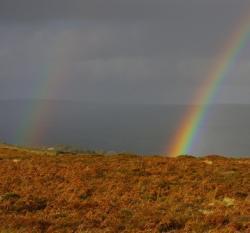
x=188 y=131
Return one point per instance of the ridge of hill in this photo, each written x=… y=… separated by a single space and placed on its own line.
x=43 y=191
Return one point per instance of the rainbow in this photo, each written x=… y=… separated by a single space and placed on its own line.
x=188 y=131
x=54 y=77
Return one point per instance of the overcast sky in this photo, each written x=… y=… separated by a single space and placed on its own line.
x=122 y=51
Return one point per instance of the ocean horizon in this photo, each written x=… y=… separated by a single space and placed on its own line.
x=135 y=128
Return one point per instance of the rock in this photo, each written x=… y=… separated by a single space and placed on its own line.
x=16 y=160
x=209 y=162
x=51 y=149
x=228 y=201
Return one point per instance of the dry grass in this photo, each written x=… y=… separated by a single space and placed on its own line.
x=42 y=192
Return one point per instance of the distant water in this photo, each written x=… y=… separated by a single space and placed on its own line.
x=143 y=129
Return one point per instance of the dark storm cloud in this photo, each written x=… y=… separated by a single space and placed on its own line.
x=78 y=9
x=141 y=51
x=114 y=9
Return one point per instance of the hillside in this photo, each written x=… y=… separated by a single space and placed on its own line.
x=41 y=191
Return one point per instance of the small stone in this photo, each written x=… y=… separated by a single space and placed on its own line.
x=51 y=149
x=16 y=160
x=209 y=162
x=228 y=201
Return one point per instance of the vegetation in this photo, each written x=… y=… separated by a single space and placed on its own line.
x=46 y=192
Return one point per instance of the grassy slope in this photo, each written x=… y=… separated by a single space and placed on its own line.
x=42 y=192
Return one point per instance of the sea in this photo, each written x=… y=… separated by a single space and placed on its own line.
x=116 y=128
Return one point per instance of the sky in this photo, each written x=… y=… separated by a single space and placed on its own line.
x=117 y=51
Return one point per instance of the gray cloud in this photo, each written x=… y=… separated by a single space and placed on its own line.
x=114 y=9
x=117 y=51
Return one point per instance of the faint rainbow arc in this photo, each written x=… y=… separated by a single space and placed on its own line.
x=55 y=78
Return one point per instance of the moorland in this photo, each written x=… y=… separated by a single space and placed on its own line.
x=51 y=191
